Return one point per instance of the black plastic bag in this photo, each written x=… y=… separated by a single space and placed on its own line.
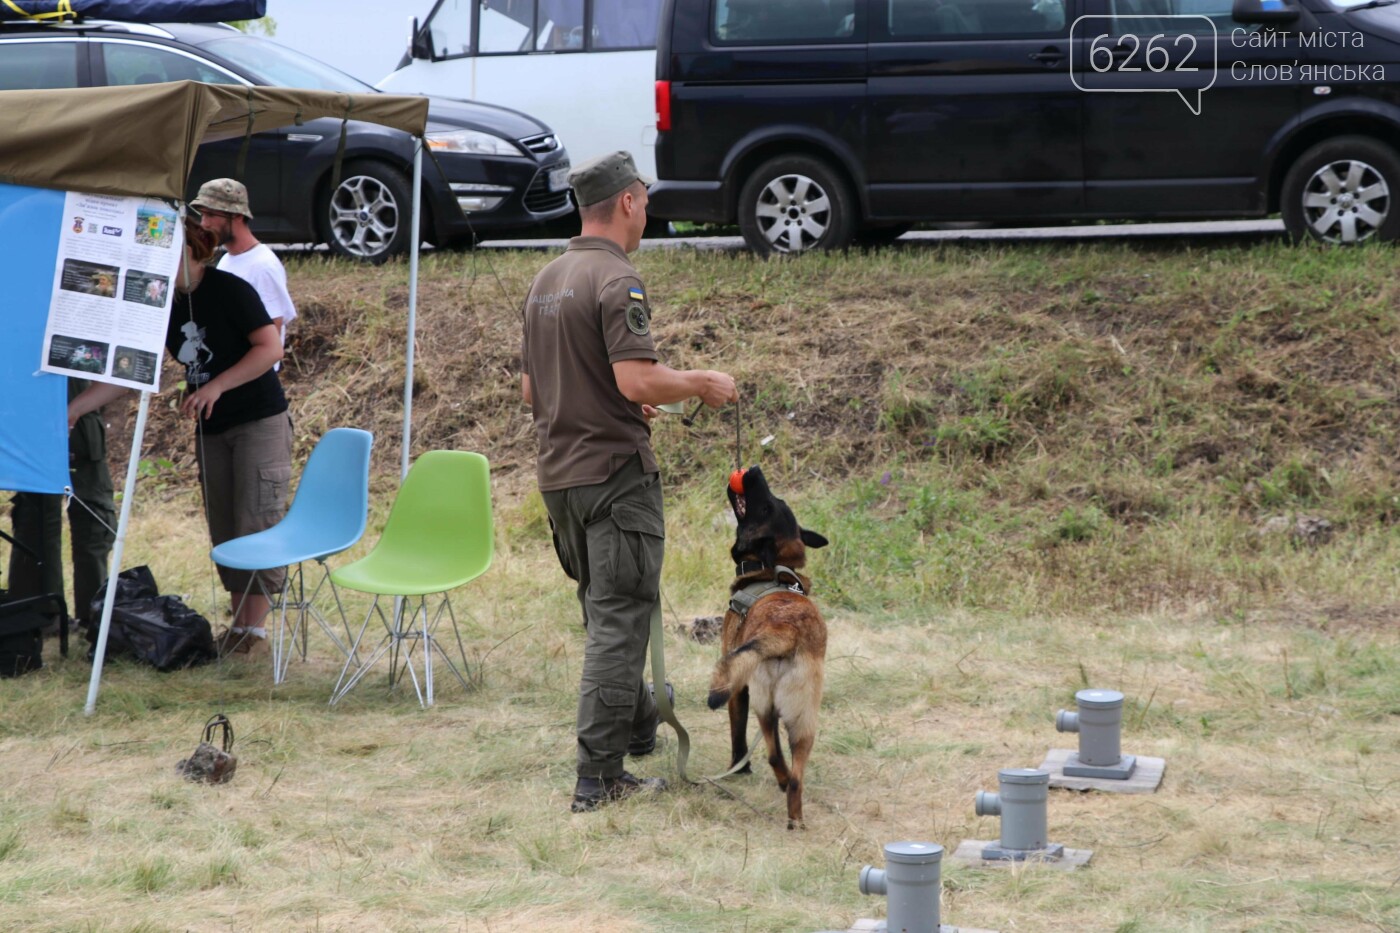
x=159 y=630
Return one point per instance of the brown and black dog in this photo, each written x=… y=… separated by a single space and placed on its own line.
x=775 y=652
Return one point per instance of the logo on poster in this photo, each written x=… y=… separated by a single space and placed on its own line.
x=111 y=231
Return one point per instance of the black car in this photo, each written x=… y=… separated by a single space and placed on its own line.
x=504 y=170
x=816 y=122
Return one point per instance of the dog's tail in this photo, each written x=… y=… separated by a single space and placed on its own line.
x=733 y=671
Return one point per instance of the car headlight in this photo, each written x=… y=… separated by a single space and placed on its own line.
x=472 y=141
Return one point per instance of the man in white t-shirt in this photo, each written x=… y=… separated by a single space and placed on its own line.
x=223 y=210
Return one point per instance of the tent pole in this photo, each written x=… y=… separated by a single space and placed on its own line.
x=412 y=302
x=114 y=566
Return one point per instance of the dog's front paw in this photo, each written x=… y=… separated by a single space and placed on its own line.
x=718 y=698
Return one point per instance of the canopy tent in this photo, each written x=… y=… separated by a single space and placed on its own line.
x=141 y=141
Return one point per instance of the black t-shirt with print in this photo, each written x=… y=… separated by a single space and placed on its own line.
x=208 y=333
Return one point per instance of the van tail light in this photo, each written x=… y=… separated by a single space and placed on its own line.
x=663 y=106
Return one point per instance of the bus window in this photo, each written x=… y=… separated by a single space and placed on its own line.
x=625 y=24
x=450 y=29
x=559 y=26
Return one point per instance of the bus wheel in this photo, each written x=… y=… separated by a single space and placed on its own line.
x=368 y=214
x=793 y=204
x=1343 y=191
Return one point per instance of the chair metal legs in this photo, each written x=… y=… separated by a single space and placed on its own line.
x=409 y=629
x=292 y=598
x=304 y=608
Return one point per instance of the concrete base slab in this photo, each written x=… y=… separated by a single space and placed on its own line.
x=878 y=926
x=970 y=853
x=1145 y=779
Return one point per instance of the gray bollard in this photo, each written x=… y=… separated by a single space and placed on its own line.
x=1099 y=723
x=1021 y=806
x=912 y=880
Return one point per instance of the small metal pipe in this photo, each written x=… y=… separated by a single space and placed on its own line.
x=1099 y=723
x=1021 y=806
x=912 y=881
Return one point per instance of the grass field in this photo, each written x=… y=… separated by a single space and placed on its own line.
x=1041 y=468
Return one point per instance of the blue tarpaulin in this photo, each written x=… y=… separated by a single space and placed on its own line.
x=144 y=11
x=33 y=405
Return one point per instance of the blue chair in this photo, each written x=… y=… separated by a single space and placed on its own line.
x=326 y=517
x=439 y=536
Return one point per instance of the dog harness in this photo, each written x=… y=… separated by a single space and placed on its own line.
x=744 y=598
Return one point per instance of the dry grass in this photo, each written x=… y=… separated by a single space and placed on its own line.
x=1040 y=470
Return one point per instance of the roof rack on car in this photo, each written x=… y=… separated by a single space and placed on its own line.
x=96 y=25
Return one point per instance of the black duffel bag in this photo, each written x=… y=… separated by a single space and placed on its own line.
x=158 y=630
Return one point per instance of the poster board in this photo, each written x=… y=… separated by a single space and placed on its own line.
x=112 y=284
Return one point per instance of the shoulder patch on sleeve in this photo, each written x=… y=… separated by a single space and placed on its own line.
x=637 y=321
x=636 y=294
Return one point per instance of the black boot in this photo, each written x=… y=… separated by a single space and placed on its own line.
x=592 y=793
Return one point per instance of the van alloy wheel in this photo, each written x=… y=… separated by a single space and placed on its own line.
x=794 y=204
x=1346 y=202
x=793 y=213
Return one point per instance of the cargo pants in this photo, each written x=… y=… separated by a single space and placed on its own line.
x=610 y=538
x=37 y=520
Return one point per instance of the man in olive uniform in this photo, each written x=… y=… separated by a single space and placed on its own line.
x=37 y=521
x=592 y=376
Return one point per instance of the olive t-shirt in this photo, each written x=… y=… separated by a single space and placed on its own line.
x=586 y=310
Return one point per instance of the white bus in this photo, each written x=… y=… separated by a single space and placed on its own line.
x=587 y=68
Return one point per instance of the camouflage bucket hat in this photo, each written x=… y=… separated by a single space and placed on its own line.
x=223 y=194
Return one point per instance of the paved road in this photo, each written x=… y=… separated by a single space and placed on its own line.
x=1212 y=232
x=1205 y=232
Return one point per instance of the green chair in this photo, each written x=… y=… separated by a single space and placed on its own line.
x=439 y=536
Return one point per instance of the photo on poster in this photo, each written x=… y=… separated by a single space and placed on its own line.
x=156 y=227
x=89 y=278
x=145 y=288
x=134 y=365
x=78 y=355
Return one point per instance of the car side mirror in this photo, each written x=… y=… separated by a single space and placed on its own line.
x=1267 y=12
x=420 y=42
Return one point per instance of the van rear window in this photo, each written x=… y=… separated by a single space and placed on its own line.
x=783 y=21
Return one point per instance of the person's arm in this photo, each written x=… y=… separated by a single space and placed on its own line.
x=525 y=389
x=92 y=398
x=650 y=383
x=266 y=350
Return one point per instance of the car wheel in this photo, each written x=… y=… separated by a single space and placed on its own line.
x=1343 y=191
x=367 y=216
x=793 y=204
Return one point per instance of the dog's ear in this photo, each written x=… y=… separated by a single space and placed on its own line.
x=812 y=539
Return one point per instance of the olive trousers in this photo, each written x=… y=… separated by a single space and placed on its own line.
x=610 y=538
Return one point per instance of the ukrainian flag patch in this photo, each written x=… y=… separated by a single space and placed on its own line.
x=636 y=294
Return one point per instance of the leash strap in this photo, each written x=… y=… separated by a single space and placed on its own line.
x=668 y=712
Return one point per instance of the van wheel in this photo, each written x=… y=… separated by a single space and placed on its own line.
x=793 y=204
x=368 y=214
x=1343 y=191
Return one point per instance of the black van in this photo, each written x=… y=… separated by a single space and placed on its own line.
x=818 y=122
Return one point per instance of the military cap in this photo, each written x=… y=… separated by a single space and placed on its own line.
x=600 y=178
x=223 y=194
